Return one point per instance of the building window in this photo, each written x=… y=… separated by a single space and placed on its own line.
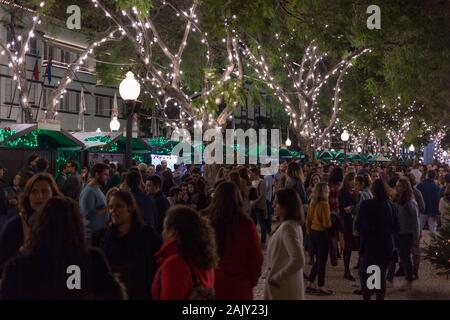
x=77 y=101
x=32 y=93
x=98 y=105
x=11 y=92
x=9 y=39
x=33 y=46
x=67 y=59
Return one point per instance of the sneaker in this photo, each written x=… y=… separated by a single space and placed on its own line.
x=389 y=284
x=407 y=286
x=348 y=276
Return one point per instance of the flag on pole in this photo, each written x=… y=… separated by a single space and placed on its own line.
x=82 y=111
x=48 y=71
x=115 y=107
x=36 y=71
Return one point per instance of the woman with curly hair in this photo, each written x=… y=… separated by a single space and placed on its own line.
x=187 y=257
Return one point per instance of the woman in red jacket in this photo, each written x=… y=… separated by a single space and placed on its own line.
x=187 y=257
x=238 y=245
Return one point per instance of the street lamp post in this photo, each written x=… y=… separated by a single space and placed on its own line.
x=129 y=90
x=344 y=137
x=411 y=150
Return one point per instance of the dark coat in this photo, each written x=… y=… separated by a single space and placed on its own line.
x=377 y=222
x=162 y=205
x=431 y=194
x=11 y=239
x=146 y=206
x=3 y=197
x=346 y=199
x=72 y=187
x=30 y=277
x=132 y=256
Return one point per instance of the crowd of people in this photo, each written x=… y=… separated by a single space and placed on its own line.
x=200 y=232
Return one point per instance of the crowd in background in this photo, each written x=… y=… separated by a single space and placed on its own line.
x=199 y=232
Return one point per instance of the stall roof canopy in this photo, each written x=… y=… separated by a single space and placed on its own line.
x=30 y=137
x=110 y=142
x=379 y=158
x=96 y=139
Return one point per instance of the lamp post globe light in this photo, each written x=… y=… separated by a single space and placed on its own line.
x=359 y=149
x=288 y=142
x=98 y=130
x=114 y=125
x=344 y=137
x=129 y=90
x=411 y=148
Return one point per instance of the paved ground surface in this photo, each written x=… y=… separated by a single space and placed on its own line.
x=429 y=286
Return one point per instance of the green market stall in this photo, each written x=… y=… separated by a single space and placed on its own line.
x=57 y=146
x=100 y=146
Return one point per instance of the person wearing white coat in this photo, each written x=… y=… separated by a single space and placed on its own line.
x=286 y=258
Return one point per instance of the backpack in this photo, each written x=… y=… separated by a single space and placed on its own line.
x=198 y=292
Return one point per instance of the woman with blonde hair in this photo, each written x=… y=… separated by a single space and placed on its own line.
x=317 y=223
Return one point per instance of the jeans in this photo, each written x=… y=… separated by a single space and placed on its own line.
x=319 y=242
x=366 y=261
x=405 y=250
x=432 y=222
x=258 y=218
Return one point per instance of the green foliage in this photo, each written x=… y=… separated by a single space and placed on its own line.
x=438 y=251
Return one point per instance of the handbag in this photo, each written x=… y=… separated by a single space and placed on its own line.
x=199 y=292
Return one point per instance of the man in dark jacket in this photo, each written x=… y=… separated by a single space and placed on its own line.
x=430 y=192
x=30 y=169
x=3 y=199
x=145 y=203
x=73 y=185
x=153 y=188
x=62 y=177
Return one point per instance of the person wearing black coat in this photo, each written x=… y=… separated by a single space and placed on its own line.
x=153 y=188
x=347 y=202
x=56 y=263
x=129 y=245
x=145 y=203
x=377 y=222
x=16 y=230
x=131 y=255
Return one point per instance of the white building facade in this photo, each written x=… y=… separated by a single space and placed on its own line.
x=62 y=46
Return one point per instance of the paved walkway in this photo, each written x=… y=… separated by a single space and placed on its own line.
x=429 y=286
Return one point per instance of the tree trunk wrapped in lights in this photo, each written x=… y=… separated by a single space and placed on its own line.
x=307 y=80
x=57 y=93
x=16 y=51
x=164 y=72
